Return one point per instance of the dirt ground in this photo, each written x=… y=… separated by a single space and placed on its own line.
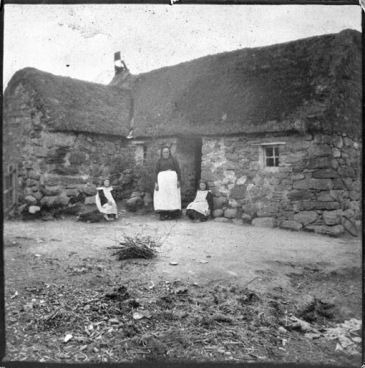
x=225 y=296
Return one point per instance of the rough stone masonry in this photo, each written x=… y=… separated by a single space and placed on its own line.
x=316 y=186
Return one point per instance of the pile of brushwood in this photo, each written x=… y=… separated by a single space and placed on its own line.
x=138 y=246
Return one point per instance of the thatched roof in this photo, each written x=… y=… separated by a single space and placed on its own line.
x=74 y=105
x=304 y=85
x=312 y=84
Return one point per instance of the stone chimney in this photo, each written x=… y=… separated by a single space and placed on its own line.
x=119 y=64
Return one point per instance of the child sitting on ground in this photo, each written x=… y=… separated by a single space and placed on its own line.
x=202 y=206
x=105 y=201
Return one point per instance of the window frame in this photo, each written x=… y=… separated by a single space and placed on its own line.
x=262 y=154
x=142 y=147
x=275 y=156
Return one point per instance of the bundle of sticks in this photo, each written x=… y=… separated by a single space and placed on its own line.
x=136 y=247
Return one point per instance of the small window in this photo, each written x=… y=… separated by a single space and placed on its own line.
x=271 y=154
x=141 y=153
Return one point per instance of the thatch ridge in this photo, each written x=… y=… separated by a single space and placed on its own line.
x=308 y=84
x=74 y=105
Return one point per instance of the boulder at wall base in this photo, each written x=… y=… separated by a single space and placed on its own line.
x=291 y=225
x=62 y=200
x=263 y=222
x=90 y=200
x=230 y=213
x=48 y=201
x=332 y=217
x=334 y=231
x=22 y=208
x=133 y=204
x=237 y=221
x=222 y=219
x=305 y=217
x=350 y=226
x=250 y=209
x=246 y=218
x=37 y=195
x=30 y=199
x=50 y=190
x=34 y=209
x=54 y=201
x=89 y=189
x=218 y=212
x=219 y=202
x=72 y=192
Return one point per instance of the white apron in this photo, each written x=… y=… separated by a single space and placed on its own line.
x=168 y=196
x=200 y=203
x=109 y=208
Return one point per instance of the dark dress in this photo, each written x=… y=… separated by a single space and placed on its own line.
x=166 y=164
x=170 y=163
x=195 y=215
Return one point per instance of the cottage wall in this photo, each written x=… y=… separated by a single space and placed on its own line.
x=56 y=168
x=59 y=166
x=316 y=186
x=53 y=167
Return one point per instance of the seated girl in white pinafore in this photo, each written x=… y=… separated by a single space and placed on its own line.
x=202 y=206
x=105 y=201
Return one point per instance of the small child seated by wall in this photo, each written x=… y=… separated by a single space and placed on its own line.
x=105 y=201
x=202 y=206
x=106 y=206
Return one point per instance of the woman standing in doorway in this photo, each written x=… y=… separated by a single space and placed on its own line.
x=167 y=196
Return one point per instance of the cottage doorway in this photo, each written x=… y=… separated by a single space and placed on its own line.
x=189 y=154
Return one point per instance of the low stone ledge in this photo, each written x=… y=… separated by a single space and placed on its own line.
x=230 y=213
x=305 y=217
x=222 y=219
x=291 y=225
x=264 y=222
x=334 y=231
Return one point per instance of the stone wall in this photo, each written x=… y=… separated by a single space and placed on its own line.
x=316 y=186
x=55 y=169
x=59 y=167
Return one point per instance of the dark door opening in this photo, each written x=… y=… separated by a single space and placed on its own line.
x=189 y=154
